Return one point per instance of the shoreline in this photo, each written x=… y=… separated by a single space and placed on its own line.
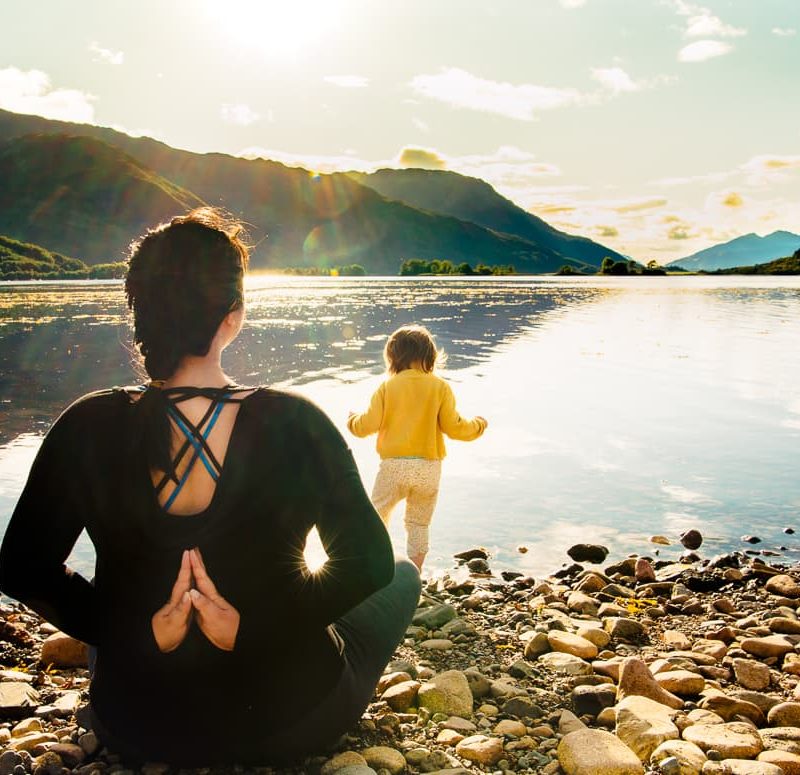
x=594 y=669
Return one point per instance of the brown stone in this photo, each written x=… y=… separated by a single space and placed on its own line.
x=784 y=585
x=481 y=749
x=635 y=679
x=60 y=650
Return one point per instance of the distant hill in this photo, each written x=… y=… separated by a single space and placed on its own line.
x=81 y=196
x=25 y=261
x=472 y=199
x=787 y=265
x=742 y=251
x=296 y=218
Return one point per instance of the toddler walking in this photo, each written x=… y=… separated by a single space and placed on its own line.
x=410 y=411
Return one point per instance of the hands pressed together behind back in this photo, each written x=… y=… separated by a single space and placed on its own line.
x=194 y=593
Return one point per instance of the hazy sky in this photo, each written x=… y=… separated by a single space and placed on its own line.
x=657 y=127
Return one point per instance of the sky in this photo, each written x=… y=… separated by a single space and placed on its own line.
x=657 y=127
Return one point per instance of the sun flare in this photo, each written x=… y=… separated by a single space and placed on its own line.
x=277 y=29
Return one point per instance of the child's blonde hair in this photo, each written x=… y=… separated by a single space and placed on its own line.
x=408 y=345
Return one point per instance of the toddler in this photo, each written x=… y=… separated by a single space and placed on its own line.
x=410 y=411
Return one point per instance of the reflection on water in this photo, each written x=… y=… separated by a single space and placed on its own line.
x=618 y=408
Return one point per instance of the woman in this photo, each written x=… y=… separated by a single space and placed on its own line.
x=214 y=643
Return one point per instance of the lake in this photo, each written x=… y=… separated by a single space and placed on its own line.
x=619 y=408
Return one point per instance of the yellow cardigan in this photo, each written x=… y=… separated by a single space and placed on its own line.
x=410 y=411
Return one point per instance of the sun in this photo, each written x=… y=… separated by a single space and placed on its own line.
x=274 y=28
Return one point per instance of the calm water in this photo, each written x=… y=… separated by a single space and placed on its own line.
x=618 y=408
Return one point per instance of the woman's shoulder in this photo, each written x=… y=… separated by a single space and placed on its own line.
x=272 y=404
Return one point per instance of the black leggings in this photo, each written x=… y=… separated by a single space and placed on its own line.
x=371 y=632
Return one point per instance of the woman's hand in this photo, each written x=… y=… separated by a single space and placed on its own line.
x=171 y=623
x=216 y=617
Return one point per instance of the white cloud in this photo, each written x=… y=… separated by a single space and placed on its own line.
x=769 y=168
x=461 y=89
x=347 y=81
x=705 y=25
x=702 y=50
x=784 y=32
x=702 y=23
x=572 y=3
x=615 y=79
x=238 y=113
x=106 y=55
x=31 y=92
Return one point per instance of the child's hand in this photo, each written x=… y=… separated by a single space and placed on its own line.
x=484 y=421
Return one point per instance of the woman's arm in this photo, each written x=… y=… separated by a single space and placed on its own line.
x=360 y=557
x=43 y=529
x=453 y=424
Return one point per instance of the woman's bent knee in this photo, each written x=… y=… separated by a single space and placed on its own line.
x=406 y=577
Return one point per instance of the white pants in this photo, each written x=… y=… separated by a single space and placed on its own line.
x=416 y=481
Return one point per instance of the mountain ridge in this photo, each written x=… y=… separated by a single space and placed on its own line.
x=745 y=250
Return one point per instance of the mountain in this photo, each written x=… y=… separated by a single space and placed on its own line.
x=295 y=217
x=25 y=261
x=787 y=265
x=472 y=199
x=81 y=196
x=742 y=251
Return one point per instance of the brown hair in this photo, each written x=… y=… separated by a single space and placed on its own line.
x=183 y=278
x=411 y=344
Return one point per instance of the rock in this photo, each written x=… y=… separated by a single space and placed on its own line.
x=750 y=539
x=751 y=674
x=713 y=648
x=67 y=703
x=509 y=727
x=434 y=616
x=447 y=692
x=765 y=647
x=536 y=646
x=675 y=639
x=791 y=664
x=681 y=682
x=591 y=700
x=582 y=603
x=89 y=743
x=595 y=752
x=746 y=767
x=644 y=570
x=522 y=707
x=401 y=697
x=788 y=762
x=567 y=643
x=690 y=758
x=31 y=740
x=458 y=724
x=479 y=684
x=17 y=699
x=784 y=625
x=595 y=635
x=661 y=540
x=643 y=724
x=60 y=650
x=691 y=539
x=381 y=757
x=481 y=749
x=734 y=740
x=341 y=760
x=478 y=565
x=783 y=585
x=9 y=761
x=565 y=664
x=593 y=553
x=71 y=755
x=449 y=737
x=569 y=722
x=471 y=554
x=26 y=726
x=350 y=769
x=437 y=644
x=729 y=707
x=635 y=679
x=622 y=628
x=387 y=680
x=784 y=714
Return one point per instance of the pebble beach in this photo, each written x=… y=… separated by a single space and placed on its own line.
x=641 y=666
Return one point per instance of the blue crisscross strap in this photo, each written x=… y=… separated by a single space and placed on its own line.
x=196 y=436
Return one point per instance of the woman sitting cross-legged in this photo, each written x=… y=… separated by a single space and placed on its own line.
x=214 y=643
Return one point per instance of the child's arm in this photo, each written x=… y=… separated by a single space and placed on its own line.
x=370 y=421
x=453 y=424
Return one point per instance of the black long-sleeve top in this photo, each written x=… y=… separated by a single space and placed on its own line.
x=286 y=470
